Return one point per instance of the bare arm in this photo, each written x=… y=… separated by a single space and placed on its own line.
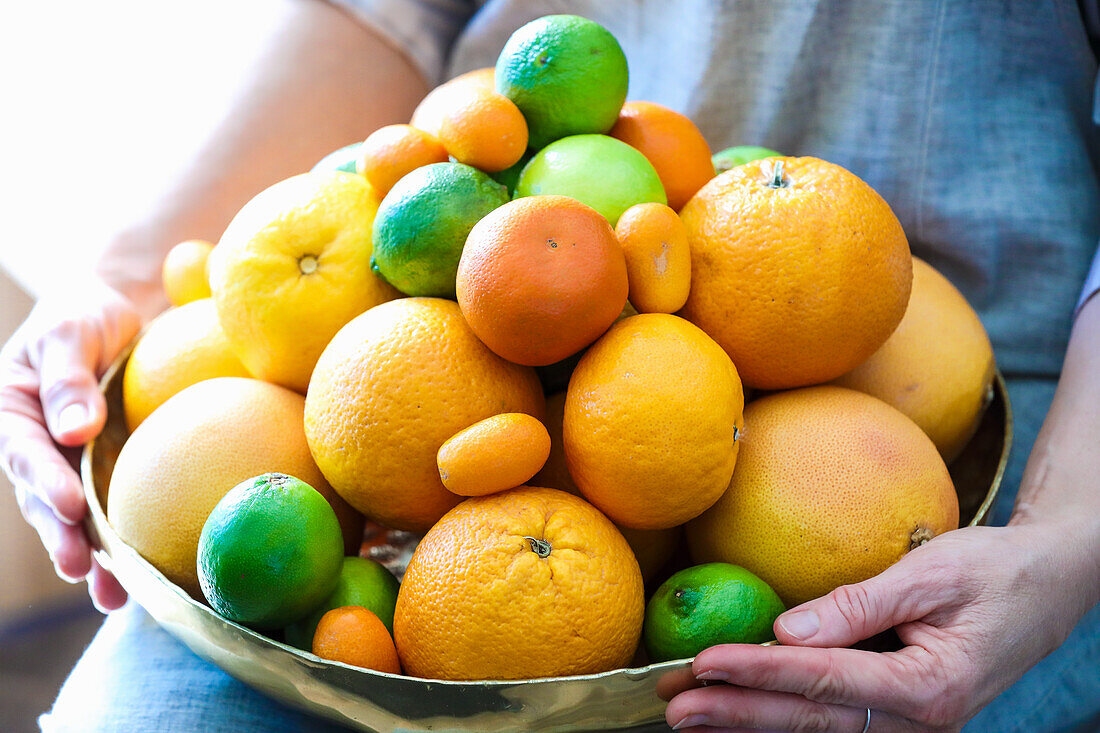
x=325 y=80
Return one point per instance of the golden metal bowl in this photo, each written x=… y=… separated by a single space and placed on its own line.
x=375 y=701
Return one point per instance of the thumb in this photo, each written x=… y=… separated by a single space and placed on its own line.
x=852 y=613
x=71 y=403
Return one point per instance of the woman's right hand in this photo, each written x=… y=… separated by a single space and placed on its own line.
x=50 y=405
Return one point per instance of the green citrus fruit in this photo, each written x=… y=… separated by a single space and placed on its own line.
x=567 y=75
x=270 y=552
x=339 y=160
x=704 y=605
x=422 y=223
x=605 y=173
x=362 y=582
x=739 y=155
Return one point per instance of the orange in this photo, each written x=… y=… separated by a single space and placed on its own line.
x=353 y=635
x=652 y=419
x=180 y=347
x=937 y=367
x=658 y=259
x=191 y=451
x=393 y=385
x=484 y=129
x=497 y=453
x=184 y=271
x=672 y=143
x=832 y=487
x=292 y=268
x=652 y=547
x=541 y=278
x=428 y=115
x=527 y=583
x=392 y=152
x=798 y=269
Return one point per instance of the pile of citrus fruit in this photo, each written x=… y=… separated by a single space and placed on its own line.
x=522 y=328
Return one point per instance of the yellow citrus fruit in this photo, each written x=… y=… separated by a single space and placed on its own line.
x=484 y=129
x=530 y=582
x=392 y=152
x=428 y=115
x=799 y=269
x=832 y=487
x=658 y=259
x=180 y=347
x=292 y=268
x=353 y=635
x=187 y=455
x=652 y=547
x=652 y=418
x=497 y=453
x=184 y=271
x=393 y=385
x=937 y=367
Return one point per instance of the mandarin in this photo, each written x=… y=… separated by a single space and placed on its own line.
x=392 y=152
x=428 y=115
x=672 y=143
x=541 y=278
x=484 y=129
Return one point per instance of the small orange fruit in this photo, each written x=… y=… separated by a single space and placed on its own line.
x=527 y=583
x=799 y=269
x=500 y=452
x=652 y=419
x=658 y=259
x=389 y=389
x=541 y=278
x=937 y=367
x=832 y=487
x=672 y=143
x=353 y=635
x=392 y=152
x=428 y=115
x=184 y=271
x=484 y=129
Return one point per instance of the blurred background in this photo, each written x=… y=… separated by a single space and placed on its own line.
x=104 y=103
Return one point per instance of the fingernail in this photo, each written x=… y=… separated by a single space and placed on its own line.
x=691 y=721
x=72 y=417
x=801 y=625
x=712 y=674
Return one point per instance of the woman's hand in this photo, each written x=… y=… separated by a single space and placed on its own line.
x=975 y=609
x=49 y=405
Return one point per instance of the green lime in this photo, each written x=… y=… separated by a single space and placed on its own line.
x=605 y=173
x=567 y=75
x=339 y=160
x=739 y=155
x=270 y=552
x=509 y=177
x=714 y=603
x=422 y=223
x=362 y=582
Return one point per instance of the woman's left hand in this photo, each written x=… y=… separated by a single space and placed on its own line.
x=975 y=608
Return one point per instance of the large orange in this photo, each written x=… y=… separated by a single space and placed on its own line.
x=937 y=367
x=191 y=451
x=652 y=418
x=832 y=487
x=541 y=278
x=428 y=115
x=672 y=143
x=390 y=388
x=531 y=582
x=799 y=269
